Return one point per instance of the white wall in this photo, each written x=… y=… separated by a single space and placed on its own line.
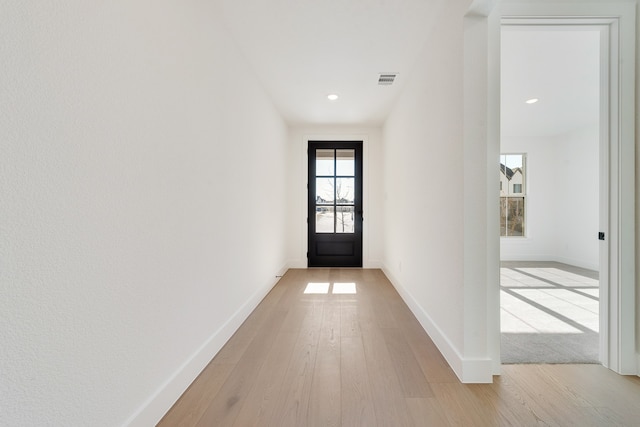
x=562 y=199
x=423 y=162
x=137 y=231
x=372 y=189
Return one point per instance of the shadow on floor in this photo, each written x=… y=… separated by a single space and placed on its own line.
x=549 y=313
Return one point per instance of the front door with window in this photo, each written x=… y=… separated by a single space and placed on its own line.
x=335 y=204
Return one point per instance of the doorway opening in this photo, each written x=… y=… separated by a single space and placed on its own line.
x=553 y=96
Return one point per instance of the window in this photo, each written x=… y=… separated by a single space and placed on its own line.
x=512 y=203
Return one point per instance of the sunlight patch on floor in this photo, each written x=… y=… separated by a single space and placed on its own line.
x=548 y=300
x=317 y=288
x=344 y=288
x=338 y=288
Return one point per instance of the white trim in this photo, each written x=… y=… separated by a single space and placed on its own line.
x=156 y=406
x=493 y=212
x=618 y=303
x=297 y=263
x=366 y=263
x=608 y=96
x=374 y=264
x=481 y=291
x=604 y=162
x=468 y=370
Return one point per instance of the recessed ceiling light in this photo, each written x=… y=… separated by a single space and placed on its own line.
x=332 y=97
x=532 y=100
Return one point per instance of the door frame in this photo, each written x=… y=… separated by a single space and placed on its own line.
x=303 y=206
x=619 y=300
x=357 y=235
x=608 y=80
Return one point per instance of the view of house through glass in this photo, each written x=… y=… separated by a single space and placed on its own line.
x=335 y=190
x=512 y=194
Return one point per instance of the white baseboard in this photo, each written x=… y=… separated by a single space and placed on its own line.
x=578 y=263
x=373 y=264
x=366 y=264
x=163 y=399
x=477 y=371
x=467 y=370
x=298 y=263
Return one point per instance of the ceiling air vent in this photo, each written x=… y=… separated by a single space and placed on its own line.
x=386 y=79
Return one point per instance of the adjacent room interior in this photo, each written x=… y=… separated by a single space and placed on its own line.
x=549 y=188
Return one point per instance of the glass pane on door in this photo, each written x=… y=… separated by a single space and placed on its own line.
x=325 y=219
x=324 y=162
x=345 y=191
x=325 y=191
x=345 y=222
x=345 y=162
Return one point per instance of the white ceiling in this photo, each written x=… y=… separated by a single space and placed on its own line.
x=560 y=68
x=303 y=50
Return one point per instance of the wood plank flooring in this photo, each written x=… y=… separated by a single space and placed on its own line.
x=362 y=359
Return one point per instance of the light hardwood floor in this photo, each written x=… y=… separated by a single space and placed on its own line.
x=363 y=359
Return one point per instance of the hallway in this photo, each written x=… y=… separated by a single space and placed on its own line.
x=338 y=347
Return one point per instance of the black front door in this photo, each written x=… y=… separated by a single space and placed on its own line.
x=335 y=204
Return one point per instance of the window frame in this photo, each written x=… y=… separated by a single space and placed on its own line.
x=517 y=188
